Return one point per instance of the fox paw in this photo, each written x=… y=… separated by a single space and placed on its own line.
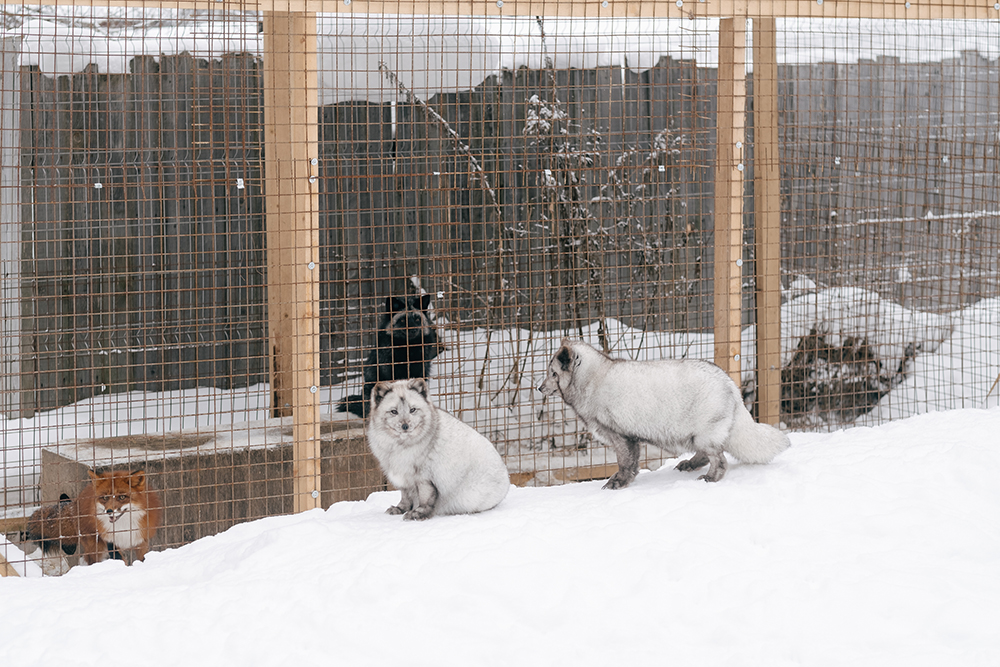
x=709 y=477
x=419 y=514
x=693 y=463
x=618 y=481
x=394 y=510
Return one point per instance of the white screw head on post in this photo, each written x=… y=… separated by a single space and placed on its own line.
x=314 y=494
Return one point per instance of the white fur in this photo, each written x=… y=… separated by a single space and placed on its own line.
x=677 y=405
x=124 y=531
x=421 y=444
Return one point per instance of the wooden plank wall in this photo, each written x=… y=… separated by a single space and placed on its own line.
x=10 y=229
x=143 y=253
x=401 y=204
x=891 y=177
x=156 y=280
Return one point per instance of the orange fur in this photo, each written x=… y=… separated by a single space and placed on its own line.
x=116 y=508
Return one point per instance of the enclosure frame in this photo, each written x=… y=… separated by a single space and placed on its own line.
x=291 y=130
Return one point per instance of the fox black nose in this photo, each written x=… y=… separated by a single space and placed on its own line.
x=405 y=426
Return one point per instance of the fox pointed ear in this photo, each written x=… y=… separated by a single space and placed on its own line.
x=378 y=393
x=137 y=479
x=419 y=385
x=394 y=304
x=565 y=357
x=92 y=475
x=425 y=301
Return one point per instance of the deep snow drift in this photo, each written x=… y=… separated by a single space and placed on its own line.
x=871 y=546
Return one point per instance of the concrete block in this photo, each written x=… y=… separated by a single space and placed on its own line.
x=211 y=480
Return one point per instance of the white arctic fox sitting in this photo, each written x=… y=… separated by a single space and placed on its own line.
x=440 y=464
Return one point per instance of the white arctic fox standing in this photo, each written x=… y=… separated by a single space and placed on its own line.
x=678 y=405
x=440 y=464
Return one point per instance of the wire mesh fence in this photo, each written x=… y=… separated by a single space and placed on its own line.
x=214 y=227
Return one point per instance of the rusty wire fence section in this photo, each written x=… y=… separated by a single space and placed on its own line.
x=204 y=234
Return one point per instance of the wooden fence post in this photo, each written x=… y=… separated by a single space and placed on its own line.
x=10 y=230
x=767 y=219
x=729 y=169
x=291 y=171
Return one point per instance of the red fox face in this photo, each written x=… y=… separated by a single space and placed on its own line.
x=116 y=491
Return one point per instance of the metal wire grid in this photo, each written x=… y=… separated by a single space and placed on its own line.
x=570 y=196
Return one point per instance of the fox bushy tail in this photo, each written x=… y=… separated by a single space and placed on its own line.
x=751 y=442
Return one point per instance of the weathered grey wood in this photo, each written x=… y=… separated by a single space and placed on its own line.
x=10 y=229
x=156 y=281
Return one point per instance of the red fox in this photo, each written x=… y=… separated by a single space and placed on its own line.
x=115 y=513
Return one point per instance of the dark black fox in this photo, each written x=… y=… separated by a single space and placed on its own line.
x=405 y=345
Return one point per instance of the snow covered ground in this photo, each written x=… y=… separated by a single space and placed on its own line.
x=871 y=546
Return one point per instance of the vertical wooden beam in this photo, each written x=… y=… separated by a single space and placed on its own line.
x=291 y=145
x=767 y=219
x=6 y=569
x=730 y=130
x=10 y=229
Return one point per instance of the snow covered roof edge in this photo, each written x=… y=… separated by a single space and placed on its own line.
x=433 y=54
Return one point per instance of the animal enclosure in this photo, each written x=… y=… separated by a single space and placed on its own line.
x=205 y=213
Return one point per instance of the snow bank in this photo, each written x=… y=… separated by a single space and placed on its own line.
x=958 y=374
x=862 y=547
